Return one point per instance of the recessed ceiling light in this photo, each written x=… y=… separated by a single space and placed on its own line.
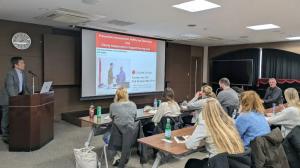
x=191 y=36
x=293 y=38
x=196 y=5
x=263 y=27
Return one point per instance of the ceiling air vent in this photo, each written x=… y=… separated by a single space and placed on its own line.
x=69 y=16
x=214 y=38
x=119 y=23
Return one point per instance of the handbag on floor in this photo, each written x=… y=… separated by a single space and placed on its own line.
x=85 y=157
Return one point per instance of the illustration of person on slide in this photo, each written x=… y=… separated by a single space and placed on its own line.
x=110 y=76
x=121 y=77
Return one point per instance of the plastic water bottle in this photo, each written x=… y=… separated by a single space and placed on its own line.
x=98 y=111
x=168 y=130
x=273 y=108
x=234 y=113
x=155 y=104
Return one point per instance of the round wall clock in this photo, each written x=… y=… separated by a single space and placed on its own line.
x=21 y=41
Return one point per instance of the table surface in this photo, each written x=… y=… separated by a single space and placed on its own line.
x=173 y=148
x=277 y=109
x=103 y=119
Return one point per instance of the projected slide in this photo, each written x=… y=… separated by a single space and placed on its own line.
x=125 y=61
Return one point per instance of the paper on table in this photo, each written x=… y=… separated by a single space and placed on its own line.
x=152 y=111
x=107 y=118
x=166 y=140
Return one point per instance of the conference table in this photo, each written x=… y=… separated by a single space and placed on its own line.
x=276 y=110
x=173 y=148
x=100 y=125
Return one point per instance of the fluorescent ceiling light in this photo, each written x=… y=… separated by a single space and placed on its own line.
x=191 y=35
x=293 y=38
x=263 y=27
x=196 y=5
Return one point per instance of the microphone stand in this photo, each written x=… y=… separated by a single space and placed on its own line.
x=33 y=84
x=33 y=80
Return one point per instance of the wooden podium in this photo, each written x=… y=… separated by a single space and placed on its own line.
x=31 y=120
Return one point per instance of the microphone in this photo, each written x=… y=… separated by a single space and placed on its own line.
x=217 y=91
x=32 y=73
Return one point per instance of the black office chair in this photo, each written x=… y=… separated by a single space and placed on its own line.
x=176 y=123
x=231 y=111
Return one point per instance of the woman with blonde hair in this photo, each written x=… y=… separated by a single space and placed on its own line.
x=218 y=132
x=198 y=102
x=289 y=117
x=251 y=122
x=122 y=111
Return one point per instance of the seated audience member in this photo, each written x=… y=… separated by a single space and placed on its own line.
x=273 y=94
x=289 y=117
x=251 y=122
x=238 y=90
x=198 y=102
x=218 y=132
x=168 y=107
x=228 y=97
x=122 y=111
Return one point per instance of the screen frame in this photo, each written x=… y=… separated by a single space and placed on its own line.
x=112 y=96
x=250 y=83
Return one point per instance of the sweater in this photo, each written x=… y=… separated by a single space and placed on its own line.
x=228 y=97
x=123 y=113
x=200 y=135
x=273 y=95
x=197 y=105
x=170 y=109
x=251 y=125
x=288 y=119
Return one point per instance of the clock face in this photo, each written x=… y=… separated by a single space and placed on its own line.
x=21 y=41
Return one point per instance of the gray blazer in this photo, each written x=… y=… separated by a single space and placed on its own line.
x=11 y=86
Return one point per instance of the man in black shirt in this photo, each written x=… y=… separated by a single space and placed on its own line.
x=273 y=94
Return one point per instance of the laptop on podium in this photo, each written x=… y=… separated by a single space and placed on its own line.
x=46 y=87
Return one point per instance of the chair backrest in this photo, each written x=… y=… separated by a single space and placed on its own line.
x=291 y=145
x=226 y=160
x=242 y=160
x=123 y=138
x=176 y=122
x=231 y=111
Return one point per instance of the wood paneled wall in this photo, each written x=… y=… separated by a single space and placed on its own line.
x=179 y=61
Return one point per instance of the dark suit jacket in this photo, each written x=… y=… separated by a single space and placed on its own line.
x=11 y=86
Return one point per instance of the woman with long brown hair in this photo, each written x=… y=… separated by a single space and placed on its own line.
x=289 y=117
x=217 y=130
x=251 y=122
x=169 y=107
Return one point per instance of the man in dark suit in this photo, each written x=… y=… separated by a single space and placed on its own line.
x=15 y=83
